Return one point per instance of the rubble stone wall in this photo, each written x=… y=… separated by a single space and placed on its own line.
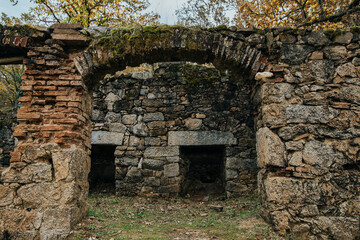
x=150 y=116
x=308 y=131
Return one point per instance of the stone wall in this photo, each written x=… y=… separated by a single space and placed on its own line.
x=308 y=135
x=7 y=142
x=149 y=116
x=306 y=119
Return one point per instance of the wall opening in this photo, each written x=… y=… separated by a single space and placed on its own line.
x=203 y=171
x=102 y=172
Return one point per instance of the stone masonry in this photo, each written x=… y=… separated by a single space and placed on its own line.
x=304 y=93
x=150 y=116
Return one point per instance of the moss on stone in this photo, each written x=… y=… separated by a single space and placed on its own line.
x=332 y=34
x=196 y=75
x=355 y=29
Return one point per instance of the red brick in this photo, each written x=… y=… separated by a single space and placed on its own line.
x=28 y=116
x=26 y=88
x=56 y=128
x=56 y=93
x=69 y=98
x=75 y=104
x=15 y=156
x=19 y=134
x=33 y=82
x=50 y=88
x=68 y=134
x=70 y=77
x=46 y=134
x=57 y=116
x=25 y=99
x=58 y=83
x=32 y=72
x=67 y=121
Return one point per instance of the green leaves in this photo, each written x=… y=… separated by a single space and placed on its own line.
x=10 y=82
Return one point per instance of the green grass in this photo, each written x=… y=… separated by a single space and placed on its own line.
x=112 y=217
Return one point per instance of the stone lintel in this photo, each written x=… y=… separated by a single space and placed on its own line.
x=192 y=138
x=71 y=38
x=66 y=26
x=107 y=138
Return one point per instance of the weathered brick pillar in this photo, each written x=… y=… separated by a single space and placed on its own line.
x=43 y=192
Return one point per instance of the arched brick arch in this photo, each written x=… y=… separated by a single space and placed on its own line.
x=135 y=45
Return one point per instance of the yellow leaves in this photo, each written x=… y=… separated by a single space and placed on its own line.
x=93 y=12
x=275 y=13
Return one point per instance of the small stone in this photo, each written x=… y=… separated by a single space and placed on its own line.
x=317 y=55
x=103 y=137
x=347 y=70
x=140 y=130
x=169 y=151
x=263 y=75
x=270 y=149
x=336 y=53
x=344 y=38
x=142 y=75
x=117 y=127
x=111 y=97
x=153 y=164
x=356 y=61
x=151 y=96
x=129 y=119
x=152 y=141
x=294 y=146
x=193 y=123
x=296 y=159
x=200 y=115
x=157 y=116
x=172 y=170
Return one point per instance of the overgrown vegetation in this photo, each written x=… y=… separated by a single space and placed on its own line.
x=112 y=217
x=10 y=82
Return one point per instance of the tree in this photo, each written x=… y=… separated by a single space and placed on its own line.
x=298 y=13
x=274 y=13
x=91 y=12
x=205 y=13
x=10 y=82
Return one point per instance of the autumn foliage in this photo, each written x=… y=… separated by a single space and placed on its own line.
x=91 y=12
x=262 y=14
x=296 y=13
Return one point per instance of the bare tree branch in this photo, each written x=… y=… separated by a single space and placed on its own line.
x=353 y=7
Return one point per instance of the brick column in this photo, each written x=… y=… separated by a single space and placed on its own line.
x=43 y=192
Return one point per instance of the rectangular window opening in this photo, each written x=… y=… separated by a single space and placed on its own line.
x=102 y=172
x=203 y=171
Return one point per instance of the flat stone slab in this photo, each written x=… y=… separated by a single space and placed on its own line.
x=107 y=138
x=192 y=138
x=162 y=151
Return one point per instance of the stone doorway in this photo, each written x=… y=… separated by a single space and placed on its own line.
x=203 y=171
x=102 y=172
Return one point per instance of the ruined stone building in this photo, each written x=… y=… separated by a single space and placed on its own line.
x=276 y=111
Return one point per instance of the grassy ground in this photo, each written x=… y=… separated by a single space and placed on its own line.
x=112 y=217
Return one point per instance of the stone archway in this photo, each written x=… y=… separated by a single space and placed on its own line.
x=307 y=119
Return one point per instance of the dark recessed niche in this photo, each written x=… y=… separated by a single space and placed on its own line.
x=203 y=170
x=102 y=173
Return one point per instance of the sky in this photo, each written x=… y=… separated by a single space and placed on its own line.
x=166 y=8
